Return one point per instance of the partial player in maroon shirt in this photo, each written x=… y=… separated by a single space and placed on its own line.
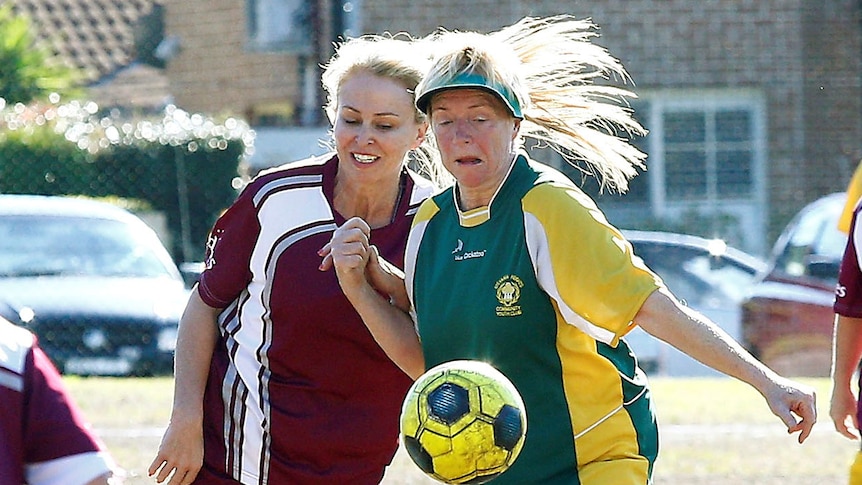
x=845 y=407
x=277 y=379
x=44 y=438
x=301 y=375
x=848 y=293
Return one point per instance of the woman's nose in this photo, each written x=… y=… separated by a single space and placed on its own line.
x=463 y=132
x=364 y=136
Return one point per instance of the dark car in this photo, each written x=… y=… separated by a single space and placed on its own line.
x=787 y=319
x=707 y=275
x=92 y=281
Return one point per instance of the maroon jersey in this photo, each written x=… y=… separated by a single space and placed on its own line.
x=44 y=439
x=848 y=293
x=299 y=391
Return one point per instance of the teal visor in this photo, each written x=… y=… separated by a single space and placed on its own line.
x=474 y=81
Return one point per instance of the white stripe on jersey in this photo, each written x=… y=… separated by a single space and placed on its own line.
x=540 y=255
x=15 y=344
x=414 y=240
x=284 y=183
x=248 y=328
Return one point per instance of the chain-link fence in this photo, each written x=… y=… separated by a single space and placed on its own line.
x=184 y=166
x=100 y=289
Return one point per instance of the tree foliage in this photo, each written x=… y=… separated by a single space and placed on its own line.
x=29 y=71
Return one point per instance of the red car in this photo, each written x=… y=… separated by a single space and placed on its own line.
x=787 y=318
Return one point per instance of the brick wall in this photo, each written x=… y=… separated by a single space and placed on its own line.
x=213 y=71
x=831 y=92
x=804 y=56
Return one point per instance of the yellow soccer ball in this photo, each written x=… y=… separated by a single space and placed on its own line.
x=463 y=422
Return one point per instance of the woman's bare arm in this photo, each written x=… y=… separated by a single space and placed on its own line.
x=846 y=352
x=386 y=317
x=663 y=316
x=181 y=449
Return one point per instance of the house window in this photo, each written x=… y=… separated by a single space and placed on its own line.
x=702 y=148
x=707 y=151
x=706 y=165
x=705 y=171
x=280 y=26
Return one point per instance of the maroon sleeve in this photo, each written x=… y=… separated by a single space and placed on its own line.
x=848 y=293
x=228 y=253
x=54 y=427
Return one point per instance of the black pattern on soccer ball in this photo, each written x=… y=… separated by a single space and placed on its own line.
x=463 y=422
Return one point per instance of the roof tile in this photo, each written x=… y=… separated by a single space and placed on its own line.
x=96 y=36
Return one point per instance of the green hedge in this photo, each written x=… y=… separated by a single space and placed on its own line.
x=43 y=162
x=184 y=165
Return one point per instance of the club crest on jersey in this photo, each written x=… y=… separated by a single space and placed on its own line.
x=508 y=290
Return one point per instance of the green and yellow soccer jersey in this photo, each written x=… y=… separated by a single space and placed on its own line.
x=539 y=285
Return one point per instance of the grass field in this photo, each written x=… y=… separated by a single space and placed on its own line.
x=713 y=432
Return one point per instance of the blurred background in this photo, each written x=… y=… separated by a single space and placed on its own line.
x=166 y=108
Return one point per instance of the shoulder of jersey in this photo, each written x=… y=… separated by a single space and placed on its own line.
x=310 y=164
x=15 y=343
x=422 y=187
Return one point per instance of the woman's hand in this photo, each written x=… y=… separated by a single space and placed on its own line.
x=842 y=410
x=351 y=253
x=376 y=290
x=180 y=454
x=181 y=451
x=348 y=252
x=793 y=403
x=846 y=353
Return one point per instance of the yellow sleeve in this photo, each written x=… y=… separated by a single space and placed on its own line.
x=854 y=191
x=584 y=263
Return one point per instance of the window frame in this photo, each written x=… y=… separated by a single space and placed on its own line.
x=704 y=101
x=300 y=43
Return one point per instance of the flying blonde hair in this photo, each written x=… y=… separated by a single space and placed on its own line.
x=550 y=66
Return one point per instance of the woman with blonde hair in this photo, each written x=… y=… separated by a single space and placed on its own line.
x=574 y=287
x=276 y=378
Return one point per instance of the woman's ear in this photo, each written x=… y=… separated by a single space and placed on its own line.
x=421 y=134
x=516 y=127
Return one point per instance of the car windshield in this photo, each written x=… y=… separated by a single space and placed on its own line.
x=76 y=246
x=815 y=237
x=694 y=274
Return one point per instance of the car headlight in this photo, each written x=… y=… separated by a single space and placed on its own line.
x=167 y=339
x=26 y=314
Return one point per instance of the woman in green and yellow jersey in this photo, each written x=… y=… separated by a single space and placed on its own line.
x=517 y=267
